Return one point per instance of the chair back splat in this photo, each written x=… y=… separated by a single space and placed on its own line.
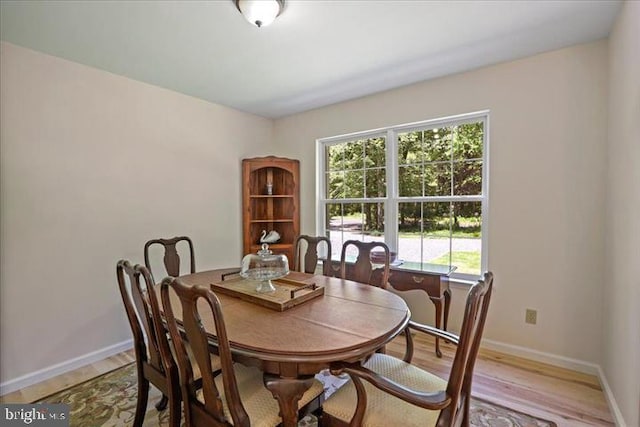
x=171 y=258
x=364 y=270
x=154 y=361
x=309 y=262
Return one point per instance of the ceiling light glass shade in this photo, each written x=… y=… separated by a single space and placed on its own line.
x=260 y=12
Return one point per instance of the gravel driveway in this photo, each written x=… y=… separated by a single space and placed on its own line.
x=409 y=247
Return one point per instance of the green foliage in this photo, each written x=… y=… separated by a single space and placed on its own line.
x=465 y=261
x=441 y=162
x=356 y=169
x=438 y=218
x=432 y=162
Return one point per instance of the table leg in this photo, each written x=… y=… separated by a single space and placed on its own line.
x=288 y=392
x=438 y=303
x=447 y=305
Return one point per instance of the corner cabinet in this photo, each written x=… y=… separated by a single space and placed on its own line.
x=270 y=202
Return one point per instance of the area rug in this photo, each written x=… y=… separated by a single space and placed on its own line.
x=110 y=400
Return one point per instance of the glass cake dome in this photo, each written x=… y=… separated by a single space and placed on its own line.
x=264 y=266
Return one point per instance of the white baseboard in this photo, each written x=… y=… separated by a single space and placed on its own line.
x=541 y=356
x=613 y=405
x=61 y=368
x=562 y=362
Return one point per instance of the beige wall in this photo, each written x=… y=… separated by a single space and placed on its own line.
x=547 y=151
x=621 y=292
x=76 y=188
x=92 y=166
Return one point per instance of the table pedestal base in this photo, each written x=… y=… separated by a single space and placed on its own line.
x=287 y=391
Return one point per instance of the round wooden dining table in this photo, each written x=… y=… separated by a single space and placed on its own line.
x=348 y=323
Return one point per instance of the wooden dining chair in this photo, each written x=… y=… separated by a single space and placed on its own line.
x=397 y=393
x=238 y=396
x=309 y=262
x=171 y=258
x=154 y=362
x=364 y=269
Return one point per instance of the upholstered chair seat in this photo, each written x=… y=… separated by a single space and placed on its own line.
x=262 y=408
x=384 y=410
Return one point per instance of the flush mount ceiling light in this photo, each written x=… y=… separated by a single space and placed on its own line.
x=260 y=12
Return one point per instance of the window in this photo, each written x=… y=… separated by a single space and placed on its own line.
x=421 y=188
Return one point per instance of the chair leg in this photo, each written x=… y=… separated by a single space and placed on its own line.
x=162 y=403
x=143 y=396
x=466 y=422
x=175 y=413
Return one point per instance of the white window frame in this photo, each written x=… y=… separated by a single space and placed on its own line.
x=392 y=198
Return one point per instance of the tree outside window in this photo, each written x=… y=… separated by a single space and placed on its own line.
x=436 y=204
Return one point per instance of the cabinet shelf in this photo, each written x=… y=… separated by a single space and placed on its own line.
x=272 y=246
x=279 y=211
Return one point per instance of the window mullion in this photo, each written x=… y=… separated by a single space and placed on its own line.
x=484 y=252
x=456 y=199
x=322 y=168
x=391 y=204
x=451 y=162
x=421 y=234
x=364 y=169
x=451 y=204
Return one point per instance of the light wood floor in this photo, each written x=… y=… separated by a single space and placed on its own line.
x=566 y=397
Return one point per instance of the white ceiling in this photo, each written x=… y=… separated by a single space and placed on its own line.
x=316 y=53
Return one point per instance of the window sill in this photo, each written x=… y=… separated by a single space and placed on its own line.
x=461 y=283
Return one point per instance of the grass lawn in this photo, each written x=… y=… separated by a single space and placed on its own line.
x=466 y=261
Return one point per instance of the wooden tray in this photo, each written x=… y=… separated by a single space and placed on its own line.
x=288 y=293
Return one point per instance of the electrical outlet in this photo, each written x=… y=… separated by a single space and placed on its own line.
x=531 y=316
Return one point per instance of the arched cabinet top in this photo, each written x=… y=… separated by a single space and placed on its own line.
x=290 y=165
